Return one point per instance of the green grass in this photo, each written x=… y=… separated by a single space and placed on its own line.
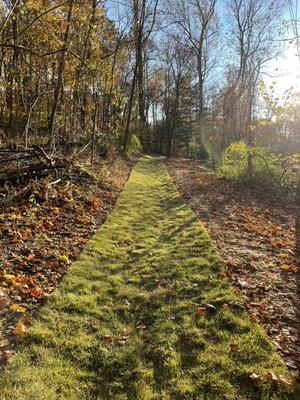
x=127 y=322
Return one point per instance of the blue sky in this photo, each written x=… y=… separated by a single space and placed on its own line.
x=284 y=69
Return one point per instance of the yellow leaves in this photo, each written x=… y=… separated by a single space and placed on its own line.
x=9 y=277
x=17 y=308
x=64 y=258
x=282 y=255
x=16 y=216
x=34 y=5
x=14 y=280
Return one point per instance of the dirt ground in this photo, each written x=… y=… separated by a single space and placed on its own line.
x=255 y=234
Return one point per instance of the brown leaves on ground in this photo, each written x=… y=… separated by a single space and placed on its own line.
x=255 y=234
x=41 y=236
x=271 y=377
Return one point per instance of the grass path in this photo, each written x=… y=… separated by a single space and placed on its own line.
x=145 y=314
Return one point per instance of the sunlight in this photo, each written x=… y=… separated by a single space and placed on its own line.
x=284 y=72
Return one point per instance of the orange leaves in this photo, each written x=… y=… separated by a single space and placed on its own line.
x=38 y=241
x=18 y=236
x=23 y=285
x=284 y=267
x=20 y=330
x=255 y=235
x=25 y=234
x=199 y=311
x=289 y=267
x=37 y=293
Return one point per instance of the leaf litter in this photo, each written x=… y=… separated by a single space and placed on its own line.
x=254 y=232
x=41 y=235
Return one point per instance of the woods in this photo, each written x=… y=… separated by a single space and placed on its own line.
x=87 y=73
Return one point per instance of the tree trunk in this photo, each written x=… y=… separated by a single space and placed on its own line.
x=58 y=87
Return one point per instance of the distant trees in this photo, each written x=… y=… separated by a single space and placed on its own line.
x=144 y=14
x=197 y=24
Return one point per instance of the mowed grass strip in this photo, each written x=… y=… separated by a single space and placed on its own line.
x=145 y=314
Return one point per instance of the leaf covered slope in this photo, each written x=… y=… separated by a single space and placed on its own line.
x=145 y=314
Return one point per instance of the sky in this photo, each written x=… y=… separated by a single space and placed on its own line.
x=284 y=71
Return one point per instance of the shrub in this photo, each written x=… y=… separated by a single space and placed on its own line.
x=134 y=145
x=268 y=168
x=234 y=161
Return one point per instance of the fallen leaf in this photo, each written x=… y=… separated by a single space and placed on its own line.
x=4 y=302
x=64 y=258
x=284 y=381
x=17 y=308
x=271 y=377
x=109 y=338
x=4 y=343
x=6 y=355
x=200 y=311
x=37 y=293
x=9 y=277
x=235 y=346
x=25 y=234
x=284 y=267
x=20 y=329
x=256 y=378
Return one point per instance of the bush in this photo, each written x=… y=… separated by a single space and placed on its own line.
x=268 y=168
x=134 y=146
x=234 y=161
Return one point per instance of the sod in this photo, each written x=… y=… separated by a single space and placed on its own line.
x=145 y=313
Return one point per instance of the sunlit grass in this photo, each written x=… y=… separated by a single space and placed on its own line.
x=131 y=321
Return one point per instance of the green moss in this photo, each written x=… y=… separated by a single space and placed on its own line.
x=123 y=326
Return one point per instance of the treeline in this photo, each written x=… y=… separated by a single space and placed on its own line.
x=177 y=77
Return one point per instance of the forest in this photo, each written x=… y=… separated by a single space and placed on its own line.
x=149 y=199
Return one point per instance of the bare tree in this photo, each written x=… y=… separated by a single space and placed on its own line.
x=197 y=23
x=254 y=26
x=293 y=6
